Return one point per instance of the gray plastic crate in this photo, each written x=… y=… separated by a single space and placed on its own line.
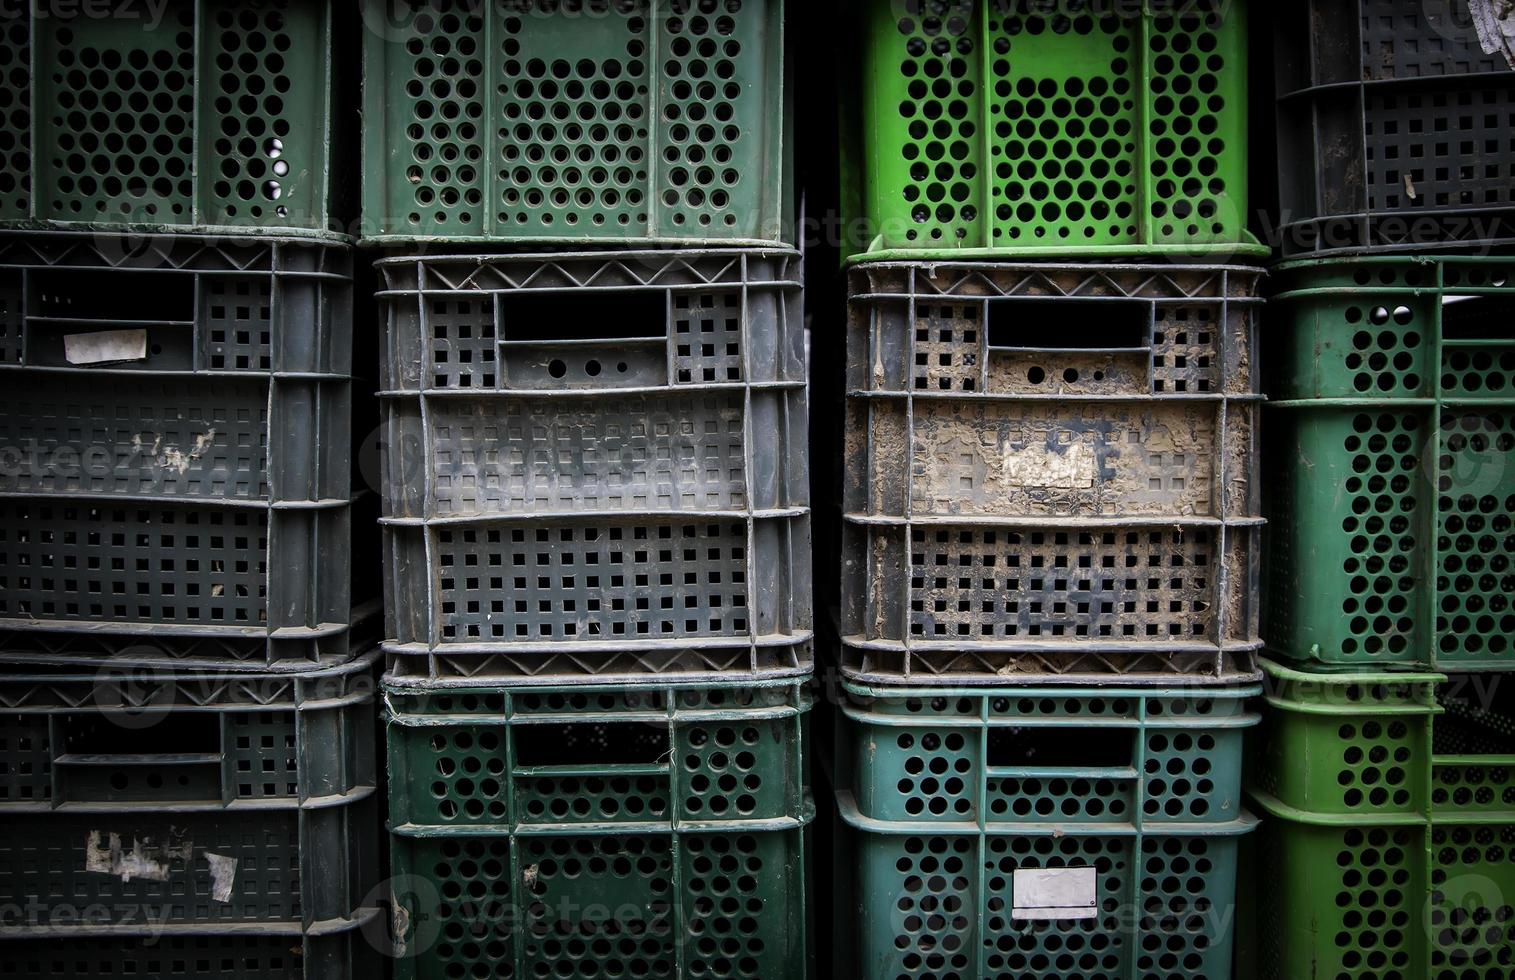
x=595 y=464
x=182 y=824
x=1051 y=472
x=177 y=434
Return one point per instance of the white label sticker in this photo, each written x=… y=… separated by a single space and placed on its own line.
x=1055 y=893
x=105 y=346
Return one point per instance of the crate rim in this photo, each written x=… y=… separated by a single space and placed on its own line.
x=538 y=256
x=247 y=928
x=565 y=684
x=889 y=692
x=1009 y=262
x=1250 y=248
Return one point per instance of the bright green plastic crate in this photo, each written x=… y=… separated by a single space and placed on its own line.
x=182 y=115
x=1006 y=127
x=1389 y=827
x=1391 y=432
x=534 y=120
x=957 y=804
x=640 y=831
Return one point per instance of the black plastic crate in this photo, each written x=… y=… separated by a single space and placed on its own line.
x=595 y=464
x=1396 y=125
x=177 y=422
x=190 y=824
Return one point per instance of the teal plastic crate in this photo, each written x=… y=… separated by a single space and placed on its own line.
x=1040 y=831
x=179 y=115
x=610 y=122
x=584 y=831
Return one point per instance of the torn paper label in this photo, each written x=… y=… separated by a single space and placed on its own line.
x=105 y=346
x=1055 y=893
x=146 y=857
x=223 y=874
x=1495 y=22
x=1040 y=466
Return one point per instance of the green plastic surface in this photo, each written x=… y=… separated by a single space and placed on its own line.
x=1389 y=827
x=186 y=115
x=949 y=796
x=991 y=129
x=638 y=831
x=632 y=121
x=1391 y=434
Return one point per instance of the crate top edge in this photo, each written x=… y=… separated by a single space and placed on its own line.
x=227 y=233
x=851 y=814
x=877 y=688
x=1275 y=809
x=361 y=663
x=1212 y=255
x=544 y=244
x=762 y=250
x=591 y=684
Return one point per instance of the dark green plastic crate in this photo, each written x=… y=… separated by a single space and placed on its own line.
x=955 y=801
x=1391 y=435
x=613 y=121
x=640 y=831
x=1011 y=127
x=192 y=504
x=188 y=771
x=187 y=115
x=1389 y=824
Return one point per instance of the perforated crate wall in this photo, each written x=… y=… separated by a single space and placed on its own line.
x=500 y=760
x=1004 y=127
x=530 y=120
x=1050 y=470
x=177 y=434
x=1407 y=797
x=1392 y=430
x=226 y=811
x=929 y=901
x=595 y=463
x=187 y=114
x=1118 y=758
x=1396 y=127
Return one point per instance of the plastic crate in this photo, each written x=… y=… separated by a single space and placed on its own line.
x=190 y=114
x=1390 y=850
x=1040 y=831
x=1082 y=510
x=1013 y=127
x=595 y=464
x=532 y=120
x=653 y=830
x=1391 y=425
x=1394 y=125
x=180 y=823
x=152 y=512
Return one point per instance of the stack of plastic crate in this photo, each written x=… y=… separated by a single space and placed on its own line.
x=187 y=728
x=596 y=522
x=1383 y=766
x=1048 y=619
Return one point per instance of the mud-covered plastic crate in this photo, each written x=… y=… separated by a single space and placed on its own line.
x=986 y=128
x=176 y=424
x=1388 y=805
x=1051 y=471
x=638 y=830
x=190 y=824
x=1391 y=435
x=1031 y=831
x=595 y=464
x=188 y=115
x=623 y=121
x=1394 y=124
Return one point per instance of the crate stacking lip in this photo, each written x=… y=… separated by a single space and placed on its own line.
x=657 y=827
x=637 y=121
x=594 y=463
x=1051 y=473
x=177 y=430
x=999 y=128
x=197 y=818
x=1410 y=797
x=1018 y=830
x=188 y=116
x=1394 y=124
x=1392 y=418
